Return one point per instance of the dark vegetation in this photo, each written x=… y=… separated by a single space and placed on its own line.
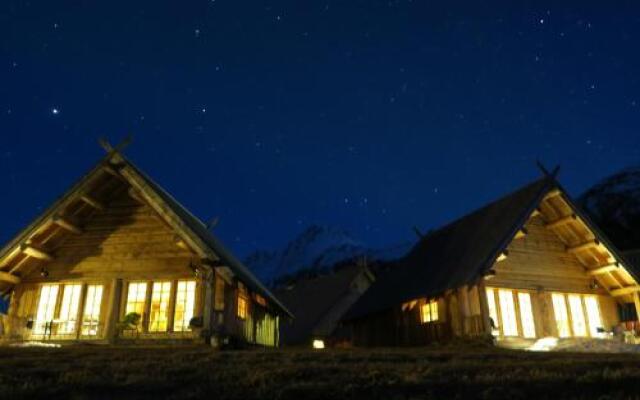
x=445 y=372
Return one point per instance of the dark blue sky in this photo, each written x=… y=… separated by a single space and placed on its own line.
x=374 y=116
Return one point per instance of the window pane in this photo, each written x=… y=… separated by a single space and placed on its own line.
x=526 y=315
x=242 y=306
x=91 y=315
x=136 y=297
x=434 y=310
x=159 y=311
x=185 y=300
x=560 y=311
x=493 y=311
x=425 y=311
x=508 y=310
x=219 y=294
x=577 y=315
x=69 y=309
x=593 y=315
x=46 y=308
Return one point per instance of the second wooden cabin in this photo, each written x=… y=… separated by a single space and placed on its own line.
x=527 y=266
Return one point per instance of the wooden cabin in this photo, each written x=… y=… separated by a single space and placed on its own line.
x=117 y=246
x=527 y=266
x=319 y=304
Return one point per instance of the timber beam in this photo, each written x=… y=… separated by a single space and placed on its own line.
x=623 y=291
x=591 y=244
x=9 y=278
x=522 y=233
x=134 y=194
x=552 y=193
x=562 y=221
x=93 y=202
x=66 y=224
x=36 y=253
x=602 y=270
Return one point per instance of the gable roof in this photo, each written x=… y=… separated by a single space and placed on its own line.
x=311 y=299
x=454 y=255
x=189 y=227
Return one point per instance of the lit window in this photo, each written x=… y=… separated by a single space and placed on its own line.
x=493 y=310
x=508 y=310
x=159 y=310
x=91 y=314
x=560 y=311
x=185 y=300
x=46 y=307
x=593 y=315
x=69 y=309
x=577 y=315
x=318 y=344
x=136 y=298
x=526 y=315
x=243 y=306
x=429 y=311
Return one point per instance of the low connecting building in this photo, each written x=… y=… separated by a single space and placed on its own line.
x=116 y=258
x=527 y=266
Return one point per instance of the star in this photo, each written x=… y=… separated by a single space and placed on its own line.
x=55 y=111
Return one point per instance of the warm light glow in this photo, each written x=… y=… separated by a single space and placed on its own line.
x=593 y=315
x=318 y=344
x=544 y=344
x=243 y=307
x=136 y=298
x=508 y=311
x=185 y=300
x=69 y=309
x=46 y=307
x=561 y=315
x=91 y=314
x=577 y=315
x=493 y=311
x=526 y=315
x=429 y=311
x=159 y=310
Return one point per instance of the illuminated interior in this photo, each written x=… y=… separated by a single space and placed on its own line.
x=242 y=306
x=91 y=314
x=159 y=310
x=185 y=301
x=561 y=315
x=318 y=344
x=579 y=325
x=136 y=298
x=526 y=315
x=46 y=307
x=69 y=309
x=429 y=311
x=508 y=311
x=593 y=315
x=581 y=319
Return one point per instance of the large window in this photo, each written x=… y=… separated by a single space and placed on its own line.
x=526 y=315
x=576 y=315
x=429 y=311
x=560 y=312
x=579 y=324
x=593 y=315
x=185 y=301
x=159 y=310
x=508 y=310
x=91 y=314
x=136 y=298
x=493 y=310
x=243 y=305
x=46 y=308
x=219 y=294
x=69 y=309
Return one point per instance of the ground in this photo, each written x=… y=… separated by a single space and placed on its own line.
x=455 y=371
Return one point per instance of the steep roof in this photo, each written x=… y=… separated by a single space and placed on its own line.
x=311 y=299
x=169 y=209
x=454 y=255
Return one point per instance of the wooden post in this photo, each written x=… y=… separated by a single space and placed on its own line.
x=207 y=312
x=484 y=308
x=636 y=301
x=113 y=311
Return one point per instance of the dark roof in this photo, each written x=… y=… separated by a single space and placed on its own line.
x=201 y=230
x=454 y=255
x=310 y=300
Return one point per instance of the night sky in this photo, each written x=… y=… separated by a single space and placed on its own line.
x=372 y=116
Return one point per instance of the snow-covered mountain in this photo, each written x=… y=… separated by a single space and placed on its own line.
x=317 y=247
x=614 y=204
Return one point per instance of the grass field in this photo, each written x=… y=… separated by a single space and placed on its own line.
x=464 y=371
